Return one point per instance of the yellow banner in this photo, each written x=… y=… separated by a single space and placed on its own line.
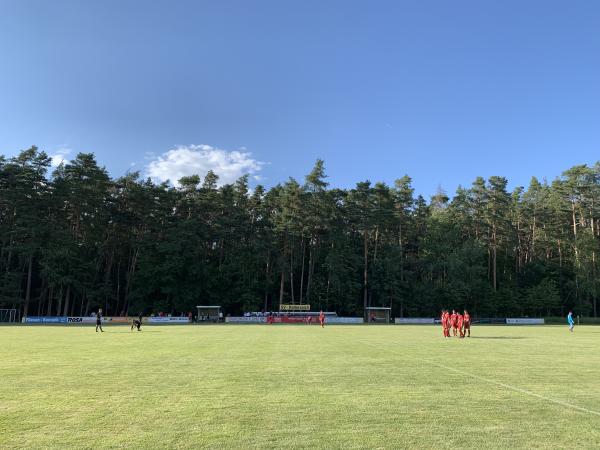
x=294 y=307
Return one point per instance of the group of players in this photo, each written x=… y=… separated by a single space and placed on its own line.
x=457 y=323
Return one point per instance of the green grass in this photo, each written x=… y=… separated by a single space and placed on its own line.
x=298 y=387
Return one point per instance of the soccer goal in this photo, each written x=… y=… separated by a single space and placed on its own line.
x=8 y=315
x=208 y=314
x=377 y=314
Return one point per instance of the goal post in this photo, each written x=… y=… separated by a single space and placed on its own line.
x=208 y=314
x=377 y=314
x=9 y=315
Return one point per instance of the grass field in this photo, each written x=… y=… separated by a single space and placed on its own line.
x=299 y=387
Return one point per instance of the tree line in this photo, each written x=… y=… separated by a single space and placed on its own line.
x=75 y=239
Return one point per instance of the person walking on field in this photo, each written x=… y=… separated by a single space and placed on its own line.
x=322 y=319
x=571 y=321
x=99 y=321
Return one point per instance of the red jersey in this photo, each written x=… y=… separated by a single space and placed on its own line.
x=453 y=318
x=459 y=319
x=467 y=318
x=321 y=317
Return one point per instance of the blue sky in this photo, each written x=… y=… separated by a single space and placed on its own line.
x=440 y=90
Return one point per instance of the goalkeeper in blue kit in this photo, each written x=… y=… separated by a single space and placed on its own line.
x=571 y=321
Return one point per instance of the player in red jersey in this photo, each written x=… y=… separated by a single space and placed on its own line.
x=322 y=319
x=453 y=323
x=467 y=324
x=459 y=324
x=443 y=321
x=446 y=323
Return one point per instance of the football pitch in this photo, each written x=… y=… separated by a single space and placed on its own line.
x=286 y=386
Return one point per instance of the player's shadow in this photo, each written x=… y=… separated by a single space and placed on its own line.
x=497 y=337
x=134 y=332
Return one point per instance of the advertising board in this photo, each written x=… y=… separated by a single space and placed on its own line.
x=414 y=320
x=524 y=321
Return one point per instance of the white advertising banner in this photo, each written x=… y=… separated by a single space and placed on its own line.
x=87 y=319
x=414 y=320
x=170 y=320
x=315 y=320
x=343 y=320
x=126 y=320
x=525 y=321
x=245 y=319
x=92 y=319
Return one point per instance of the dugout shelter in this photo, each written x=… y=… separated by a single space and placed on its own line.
x=208 y=314
x=377 y=314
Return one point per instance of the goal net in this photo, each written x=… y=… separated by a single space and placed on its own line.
x=8 y=315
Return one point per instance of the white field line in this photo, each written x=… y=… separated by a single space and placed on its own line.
x=496 y=382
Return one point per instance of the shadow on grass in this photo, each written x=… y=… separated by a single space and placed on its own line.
x=496 y=337
x=134 y=332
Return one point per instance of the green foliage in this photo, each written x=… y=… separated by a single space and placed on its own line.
x=79 y=240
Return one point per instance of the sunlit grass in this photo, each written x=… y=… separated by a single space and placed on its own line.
x=298 y=387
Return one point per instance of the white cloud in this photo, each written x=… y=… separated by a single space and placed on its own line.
x=60 y=156
x=198 y=160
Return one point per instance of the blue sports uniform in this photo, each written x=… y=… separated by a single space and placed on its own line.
x=571 y=321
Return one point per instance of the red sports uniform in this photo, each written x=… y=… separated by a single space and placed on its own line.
x=453 y=324
x=322 y=319
x=446 y=324
x=467 y=324
x=459 y=324
x=443 y=321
